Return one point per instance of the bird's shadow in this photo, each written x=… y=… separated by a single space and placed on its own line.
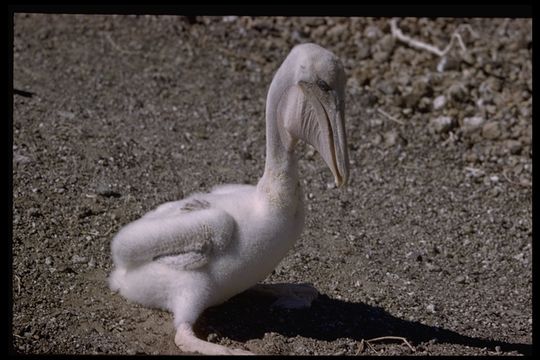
x=249 y=315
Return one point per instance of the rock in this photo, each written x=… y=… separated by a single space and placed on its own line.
x=106 y=191
x=471 y=124
x=421 y=87
x=390 y=138
x=368 y=100
x=495 y=191
x=410 y=100
x=424 y=105
x=442 y=124
x=336 y=32
x=21 y=159
x=491 y=85
x=448 y=63
x=228 y=19
x=380 y=56
x=433 y=267
x=471 y=157
x=491 y=130
x=457 y=92
x=363 y=51
x=34 y=212
x=386 y=87
x=66 y=114
x=513 y=146
x=383 y=48
x=431 y=308
x=439 y=102
x=66 y=269
x=460 y=279
x=527 y=137
x=386 y=44
x=76 y=259
x=88 y=210
x=377 y=139
x=372 y=33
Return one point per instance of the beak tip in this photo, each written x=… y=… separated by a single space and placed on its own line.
x=340 y=182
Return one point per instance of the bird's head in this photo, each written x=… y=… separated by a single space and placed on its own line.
x=311 y=106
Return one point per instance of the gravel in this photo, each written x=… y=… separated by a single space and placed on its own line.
x=130 y=111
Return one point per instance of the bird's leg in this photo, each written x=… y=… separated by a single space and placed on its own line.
x=289 y=296
x=186 y=340
x=187 y=306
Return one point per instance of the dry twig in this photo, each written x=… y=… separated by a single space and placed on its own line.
x=107 y=233
x=390 y=117
x=363 y=343
x=114 y=45
x=398 y=34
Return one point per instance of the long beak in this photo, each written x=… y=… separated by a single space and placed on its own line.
x=329 y=136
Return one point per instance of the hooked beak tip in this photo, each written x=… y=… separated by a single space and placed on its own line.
x=340 y=181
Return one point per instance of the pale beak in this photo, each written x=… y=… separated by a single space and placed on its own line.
x=326 y=110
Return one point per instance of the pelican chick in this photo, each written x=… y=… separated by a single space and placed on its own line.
x=188 y=255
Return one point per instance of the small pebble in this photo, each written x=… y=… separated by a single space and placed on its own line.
x=390 y=138
x=106 y=191
x=76 y=259
x=457 y=92
x=491 y=130
x=34 y=212
x=471 y=124
x=66 y=114
x=372 y=33
x=513 y=146
x=21 y=159
x=442 y=124
x=439 y=102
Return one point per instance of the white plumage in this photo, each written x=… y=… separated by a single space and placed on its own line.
x=188 y=255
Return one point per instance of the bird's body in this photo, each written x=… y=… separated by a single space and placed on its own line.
x=188 y=255
x=264 y=230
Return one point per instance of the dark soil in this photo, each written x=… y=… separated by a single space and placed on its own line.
x=431 y=240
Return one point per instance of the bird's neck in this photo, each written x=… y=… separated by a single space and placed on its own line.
x=280 y=176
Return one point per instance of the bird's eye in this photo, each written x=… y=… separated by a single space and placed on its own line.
x=323 y=85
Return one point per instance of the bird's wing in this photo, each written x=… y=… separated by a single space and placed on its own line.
x=182 y=235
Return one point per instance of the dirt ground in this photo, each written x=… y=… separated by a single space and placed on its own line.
x=431 y=240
